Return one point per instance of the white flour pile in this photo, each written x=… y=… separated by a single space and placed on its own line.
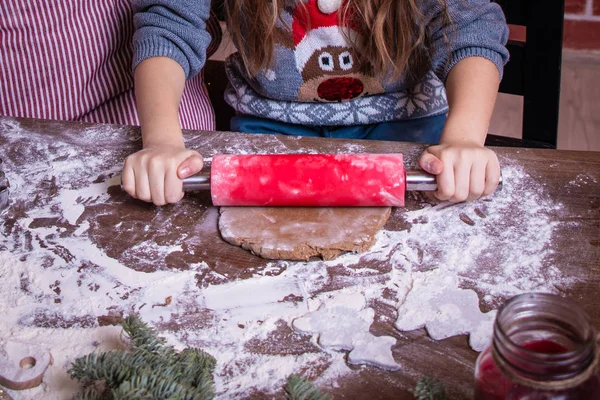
x=431 y=273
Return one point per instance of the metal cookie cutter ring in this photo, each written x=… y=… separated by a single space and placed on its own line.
x=4 y=185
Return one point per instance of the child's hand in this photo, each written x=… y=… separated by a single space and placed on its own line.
x=155 y=173
x=465 y=170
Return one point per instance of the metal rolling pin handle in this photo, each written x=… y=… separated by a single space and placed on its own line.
x=421 y=181
x=4 y=189
x=200 y=181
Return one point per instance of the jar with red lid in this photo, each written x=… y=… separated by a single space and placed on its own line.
x=543 y=347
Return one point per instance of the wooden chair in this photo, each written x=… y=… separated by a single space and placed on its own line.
x=216 y=80
x=534 y=69
x=216 y=83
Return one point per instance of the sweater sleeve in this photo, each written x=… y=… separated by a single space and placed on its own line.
x=469 y=28
x=174 y=29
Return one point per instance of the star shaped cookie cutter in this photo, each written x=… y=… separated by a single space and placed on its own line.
x=4 y=185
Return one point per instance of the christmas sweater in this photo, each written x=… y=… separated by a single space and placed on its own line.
x=316 y=77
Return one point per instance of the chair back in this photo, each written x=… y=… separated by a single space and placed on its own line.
x=534 y=68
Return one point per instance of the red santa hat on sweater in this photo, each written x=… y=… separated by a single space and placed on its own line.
x=324 y=29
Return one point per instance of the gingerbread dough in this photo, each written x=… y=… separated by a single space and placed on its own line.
x=302 y=233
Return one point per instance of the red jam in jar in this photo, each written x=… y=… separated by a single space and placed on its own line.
x=543 y=348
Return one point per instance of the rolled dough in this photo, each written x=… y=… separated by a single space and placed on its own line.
x=302 y=233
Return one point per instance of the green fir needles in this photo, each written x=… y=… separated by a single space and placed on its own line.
x=428 y=388
x=150 y=370
x=298 y=388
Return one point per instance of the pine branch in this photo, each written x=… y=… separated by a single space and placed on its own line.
x=429 y=388
x=199 y=366
x=90 y=393
x=196 y=358
x=126 y=391
x=150 y=370
x=142 y=336
x=155 y=386
x=113 y=367
x=149 y=387
x=298 y=388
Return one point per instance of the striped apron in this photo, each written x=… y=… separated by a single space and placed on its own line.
x=71 y=60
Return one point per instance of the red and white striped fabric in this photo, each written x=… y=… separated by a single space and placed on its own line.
x=71 y=60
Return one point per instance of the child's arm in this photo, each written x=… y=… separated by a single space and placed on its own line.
x=154 y=173
x=466 y=170
x=169 y=43
x=468 y=53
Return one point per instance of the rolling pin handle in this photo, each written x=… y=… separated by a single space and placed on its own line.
x=421 y=181
x=200 y=181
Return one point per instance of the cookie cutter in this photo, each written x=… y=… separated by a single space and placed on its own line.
x=23 y=365
x=4 y=191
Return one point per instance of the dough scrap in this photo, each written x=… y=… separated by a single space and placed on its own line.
x=342 y=323
x=302 y=233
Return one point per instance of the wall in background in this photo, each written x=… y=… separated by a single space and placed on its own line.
x=582 y=24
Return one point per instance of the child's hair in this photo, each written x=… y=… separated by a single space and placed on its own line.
x=393 y=33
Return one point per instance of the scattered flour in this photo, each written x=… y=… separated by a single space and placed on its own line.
x=54 y=299
x=582 y=180
x=435 y=302
x=342 y=323
x=72 y=202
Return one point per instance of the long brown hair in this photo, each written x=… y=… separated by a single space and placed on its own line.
x=393 y=33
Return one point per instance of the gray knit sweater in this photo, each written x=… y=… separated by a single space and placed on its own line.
x=316 y=78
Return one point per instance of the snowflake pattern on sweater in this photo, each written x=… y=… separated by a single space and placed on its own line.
x=425 y=99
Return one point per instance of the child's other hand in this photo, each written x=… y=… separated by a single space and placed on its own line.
x=465 y=170
x=155 y=173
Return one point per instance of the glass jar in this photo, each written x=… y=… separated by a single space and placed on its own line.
x=543 y=347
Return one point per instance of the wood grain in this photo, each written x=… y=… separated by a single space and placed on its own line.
x=117 y=225
x=579 y=124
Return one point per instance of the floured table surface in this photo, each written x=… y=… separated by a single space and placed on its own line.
x=76 y=253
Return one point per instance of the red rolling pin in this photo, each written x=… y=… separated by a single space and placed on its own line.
x=342 y=180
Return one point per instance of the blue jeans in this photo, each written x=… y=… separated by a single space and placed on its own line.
x=423 y=130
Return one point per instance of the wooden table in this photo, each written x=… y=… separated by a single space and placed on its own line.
x=117 y=225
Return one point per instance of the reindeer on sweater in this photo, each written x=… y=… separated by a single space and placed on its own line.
x=331 y=69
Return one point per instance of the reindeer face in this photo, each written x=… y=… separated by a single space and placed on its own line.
x=330 y=68
x=331 y=61
x=334 y=74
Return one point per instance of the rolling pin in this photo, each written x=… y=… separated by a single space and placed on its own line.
x=344 y=180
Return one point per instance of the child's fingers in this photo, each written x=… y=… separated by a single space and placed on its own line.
x=445 y=182
x=477 y=180
x=173 y=187
x=462 y=177
x=492 y=177
x=156 y=180
x=142 y=187
x=157 y=190
x=128 y=178
x=151 y=175
x=190 y=166
x=431 y=163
